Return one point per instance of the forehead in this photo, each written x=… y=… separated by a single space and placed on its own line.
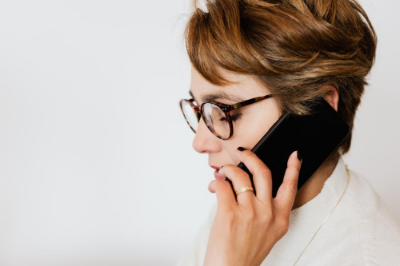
x=247 y=87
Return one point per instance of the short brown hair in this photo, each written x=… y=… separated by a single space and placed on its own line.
x=295 y=47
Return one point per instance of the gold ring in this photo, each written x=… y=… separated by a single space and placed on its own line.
x=243 y=189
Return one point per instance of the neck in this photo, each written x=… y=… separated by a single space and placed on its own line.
x=314 y=185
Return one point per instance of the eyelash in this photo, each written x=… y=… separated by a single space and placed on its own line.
x=234 y=117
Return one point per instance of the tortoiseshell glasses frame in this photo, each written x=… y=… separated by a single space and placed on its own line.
x=225 y=108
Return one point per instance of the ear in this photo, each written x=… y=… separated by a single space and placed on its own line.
x=332 y=97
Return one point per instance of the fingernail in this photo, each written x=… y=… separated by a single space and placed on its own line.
x=220 y=168
x=241 y=149
x=299 y=156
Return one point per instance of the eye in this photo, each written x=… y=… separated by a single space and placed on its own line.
x=236 y=117
x=233 y=117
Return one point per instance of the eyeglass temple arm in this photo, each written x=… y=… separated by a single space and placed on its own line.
x=245 y=103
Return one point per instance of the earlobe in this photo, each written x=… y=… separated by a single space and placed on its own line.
x=332 y=97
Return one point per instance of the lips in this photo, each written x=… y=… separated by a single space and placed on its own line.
x=215 y=167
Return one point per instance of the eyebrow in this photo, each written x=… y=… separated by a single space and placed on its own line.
x=219 y=95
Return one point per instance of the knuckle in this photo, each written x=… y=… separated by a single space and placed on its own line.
x=267 y=216
x=242 y=175
x=283 y=226
x=249 y=214
x=228 y=217
x=226 y=168
x=283 y=231
x=264 y=171
x=291 y=186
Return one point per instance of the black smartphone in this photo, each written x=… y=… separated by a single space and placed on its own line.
x=316 y=135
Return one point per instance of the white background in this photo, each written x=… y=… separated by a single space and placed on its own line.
x=96 y=160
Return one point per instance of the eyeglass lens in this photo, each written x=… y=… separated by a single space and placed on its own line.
x=214 y=117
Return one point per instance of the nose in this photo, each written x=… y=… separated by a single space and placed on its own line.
x=204 y=141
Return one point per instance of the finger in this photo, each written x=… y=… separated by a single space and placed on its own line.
x=288 y=190
x=225 y=197
x=261 y=175
x=239 y=179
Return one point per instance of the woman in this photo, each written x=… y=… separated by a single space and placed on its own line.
x=296 y=50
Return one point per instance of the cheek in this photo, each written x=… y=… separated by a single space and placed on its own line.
x=245 y=135
x=251 y=131
x=231 y=150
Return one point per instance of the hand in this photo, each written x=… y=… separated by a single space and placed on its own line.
x=245 y=231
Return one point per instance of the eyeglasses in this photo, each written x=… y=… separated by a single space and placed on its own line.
x=216 y=115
